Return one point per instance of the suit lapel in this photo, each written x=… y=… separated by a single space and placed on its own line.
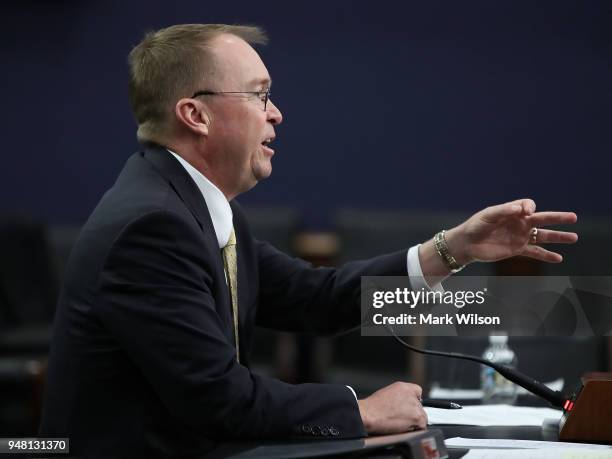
x=183 y=184
x=190 y=194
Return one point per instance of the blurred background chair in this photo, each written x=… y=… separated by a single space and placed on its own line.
x=28 y=293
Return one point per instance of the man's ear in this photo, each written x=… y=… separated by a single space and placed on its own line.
x=192 y=115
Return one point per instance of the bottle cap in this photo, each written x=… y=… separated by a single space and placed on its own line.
x=500 y=338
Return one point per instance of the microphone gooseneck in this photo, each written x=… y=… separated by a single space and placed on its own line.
x=554 y=397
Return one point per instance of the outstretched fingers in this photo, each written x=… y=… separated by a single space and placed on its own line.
x=540 y=253
x=552 y=218
x=546 y=236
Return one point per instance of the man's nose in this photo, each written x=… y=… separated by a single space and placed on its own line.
x=274 y=114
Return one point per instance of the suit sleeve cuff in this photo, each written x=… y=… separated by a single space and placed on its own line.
x=352 y=391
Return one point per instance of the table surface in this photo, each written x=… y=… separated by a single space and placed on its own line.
x=244 y=450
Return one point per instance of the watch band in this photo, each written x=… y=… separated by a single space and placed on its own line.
x=442 y=249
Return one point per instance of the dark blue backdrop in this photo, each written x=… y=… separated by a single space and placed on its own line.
x=414 y=105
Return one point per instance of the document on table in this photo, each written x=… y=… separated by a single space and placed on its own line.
x=492 y=415
x=499 y=443
x=545 y=453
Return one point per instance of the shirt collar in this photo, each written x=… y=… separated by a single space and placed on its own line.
x=218 y=206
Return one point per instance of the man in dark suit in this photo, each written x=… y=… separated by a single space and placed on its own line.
x=150 y=355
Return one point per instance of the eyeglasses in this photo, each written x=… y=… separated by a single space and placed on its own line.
x=264 y=96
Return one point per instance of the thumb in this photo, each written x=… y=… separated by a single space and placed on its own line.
x=528 y=205
x=508 y=209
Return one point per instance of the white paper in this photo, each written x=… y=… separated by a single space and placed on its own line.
x=493 y=415
x=498 y=443
x=546 y=453
x=467 y=394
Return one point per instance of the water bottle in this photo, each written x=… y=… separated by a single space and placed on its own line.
x=495 y=388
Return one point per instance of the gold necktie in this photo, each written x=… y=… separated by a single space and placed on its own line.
x=231 y=272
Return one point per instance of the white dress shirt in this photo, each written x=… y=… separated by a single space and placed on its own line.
x=220 y=210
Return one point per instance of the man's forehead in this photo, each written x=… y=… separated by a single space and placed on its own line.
x=239 y=60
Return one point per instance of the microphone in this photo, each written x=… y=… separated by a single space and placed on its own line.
x=554 y=397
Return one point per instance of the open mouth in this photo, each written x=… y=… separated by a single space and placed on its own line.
x=266 y=145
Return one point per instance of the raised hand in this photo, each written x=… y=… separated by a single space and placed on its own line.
x=507 y=230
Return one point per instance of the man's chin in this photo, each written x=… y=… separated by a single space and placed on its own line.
x=262 y=171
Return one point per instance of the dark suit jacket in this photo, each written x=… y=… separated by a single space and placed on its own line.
x=142 y=362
